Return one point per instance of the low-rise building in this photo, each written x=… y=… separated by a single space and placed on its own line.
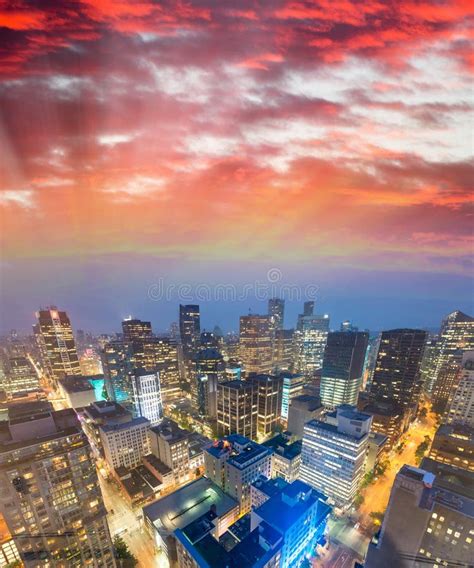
x=101 y=413
x=302 y=409
x=170 y=444
x=184 y=506
x=125 y=444
x=286 y=459
x=234 y=463
x=77 y=391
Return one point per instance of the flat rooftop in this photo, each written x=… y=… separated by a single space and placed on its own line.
x=182 y=507
x=281 y=514
x=282 y=447
x=78 y=383
x=140 y=421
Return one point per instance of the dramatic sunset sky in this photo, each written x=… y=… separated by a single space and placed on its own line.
x=209 y=141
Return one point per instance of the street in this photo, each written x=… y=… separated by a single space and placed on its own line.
x=377 y=494
x=128 y=524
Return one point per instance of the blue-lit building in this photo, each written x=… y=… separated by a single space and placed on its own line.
x=283 y=530
x=299 y=513
x=292 y=386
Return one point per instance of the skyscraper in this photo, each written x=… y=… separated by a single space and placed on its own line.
x=135 y=329
x=210 y=371
x=429 y=519
x=159 y=354
x=237 y=409
x=343 y=365
x=334 y=453
x=117 y=363
x=311 y=337
x=147 y=395
x=276 y=310
x=51 y=498
x=456 y=336
x=284 y=350
x=461 y=407
x=56 y=343
x=190 y=332
x=269 y=396
x=292 y=387
x=256 y=343
x=397 y=378
x=429 y=362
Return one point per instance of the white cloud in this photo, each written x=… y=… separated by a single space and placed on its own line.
x=114 y=139
x=21 y=197
x=137 y=186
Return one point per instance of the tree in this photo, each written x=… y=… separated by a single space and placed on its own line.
x=122 y=553
x=377 y=517
x=422 y=448
x=359 y=499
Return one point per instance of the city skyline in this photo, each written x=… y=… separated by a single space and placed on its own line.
x=330 y=140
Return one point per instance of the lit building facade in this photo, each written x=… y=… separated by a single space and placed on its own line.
x=237 y=409
x=456 y=336
x=190 y=333
x=125 y=443
x=147 y=396
x=210 y=371
x=170 y=444
x=397 y=379
x=334 y=452
x=269 y=397
x=134 y=329
x=50 y=491
x=292 y=386
x=453 y=444
x=276 y=310
x=56 y=343
x=461 y=407
x=234 y=463
x=343 y=366
x=256 y=343
x=20 y=376
x=299 y=514
x=310 y=337
x=429 y=519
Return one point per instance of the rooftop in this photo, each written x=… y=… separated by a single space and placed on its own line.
x=170 y=430
x=140 y=421
x=247 y=553
x=307 y=401
x=270 y=487
x=78 y=383
x=182 y=507
x=282 y=447
x=284 y=509
x=105 y=409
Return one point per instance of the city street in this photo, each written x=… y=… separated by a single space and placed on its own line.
x=128 y=524
x=377 y=494
x=338 y=556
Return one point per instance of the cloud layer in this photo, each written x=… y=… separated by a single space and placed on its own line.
x=332 y=131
